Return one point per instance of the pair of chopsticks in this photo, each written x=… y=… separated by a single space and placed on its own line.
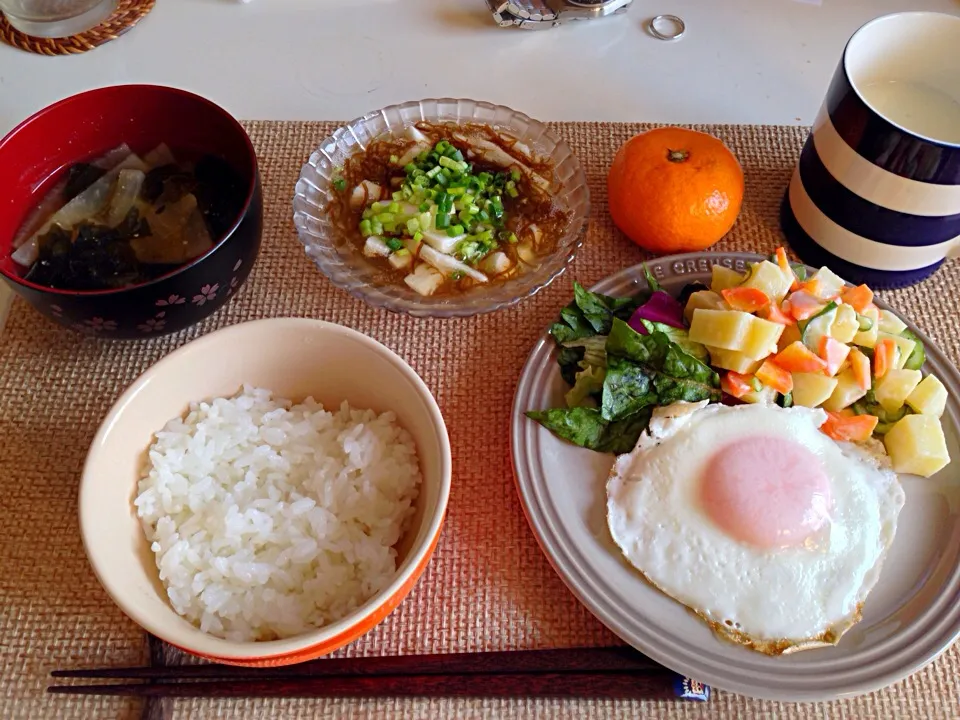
x=603 y=673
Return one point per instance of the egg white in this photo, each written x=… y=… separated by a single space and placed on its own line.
x=774 y=600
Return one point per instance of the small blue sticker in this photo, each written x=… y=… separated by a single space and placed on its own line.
x=688 y=689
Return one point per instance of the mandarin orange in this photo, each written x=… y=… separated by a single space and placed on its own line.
x=674 y=190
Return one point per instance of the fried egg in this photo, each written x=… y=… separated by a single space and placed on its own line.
x=770 y=531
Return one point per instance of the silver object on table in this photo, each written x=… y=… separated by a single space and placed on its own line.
x=542 y=14
x=657 y=26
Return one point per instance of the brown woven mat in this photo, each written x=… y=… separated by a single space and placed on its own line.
x=127 y=14
x=488 y=586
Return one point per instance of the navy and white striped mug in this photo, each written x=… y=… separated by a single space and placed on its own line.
x=876 y=195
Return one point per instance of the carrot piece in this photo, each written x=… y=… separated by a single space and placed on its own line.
x=833 y=353
x=804 y=305
x=772 y=375
x=860 y=364
x=884 y=354
x=859 y=297
x=846 y=428
x=774 y=314
x=735 y=384
x=812 y=286
x=784 y=264
x=747 y=299
x=797 y=358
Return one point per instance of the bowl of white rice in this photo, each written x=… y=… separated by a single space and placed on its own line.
x=267 y=493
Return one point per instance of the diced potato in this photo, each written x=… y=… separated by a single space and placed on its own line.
x=890 y=323
x=929 y=397
x=829 y=284
x=894 y=388
x=725 y=329
x=916 y=445
x=706 y=299
x=812 y=389
x=905 y=348
x=733 y=360
x=769 y=278
x=762 y=338
x=735 y=330
x=765 y=395
x=724 y=278
x=845 y=326
x=846 y=393
x=791 y=334
x=868 y=338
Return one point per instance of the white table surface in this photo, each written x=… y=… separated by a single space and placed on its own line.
x=740 y=61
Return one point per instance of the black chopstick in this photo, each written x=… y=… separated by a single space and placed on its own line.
x=582 y=660
x=618 y=685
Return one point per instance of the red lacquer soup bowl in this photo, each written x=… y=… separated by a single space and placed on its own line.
x=36 y=155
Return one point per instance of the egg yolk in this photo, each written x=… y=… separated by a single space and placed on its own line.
x=765 y=491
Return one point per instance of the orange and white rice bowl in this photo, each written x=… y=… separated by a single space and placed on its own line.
x=268 y=492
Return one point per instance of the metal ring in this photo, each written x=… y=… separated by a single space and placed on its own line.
x=681 y=27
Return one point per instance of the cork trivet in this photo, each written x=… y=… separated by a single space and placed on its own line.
x=488 y=587
x=127 y=14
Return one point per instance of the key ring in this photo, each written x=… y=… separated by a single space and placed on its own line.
x=678 y=23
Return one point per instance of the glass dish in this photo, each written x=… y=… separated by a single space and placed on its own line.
x=346 y=267
x=56 y=18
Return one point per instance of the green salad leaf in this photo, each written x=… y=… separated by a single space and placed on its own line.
x=585 y=427
x=630 y=373
x=580 y=425
x=627 y=388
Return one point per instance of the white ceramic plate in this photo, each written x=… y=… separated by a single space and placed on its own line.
x=912 y=615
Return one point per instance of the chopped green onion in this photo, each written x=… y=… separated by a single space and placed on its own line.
x=394 y=207
x=394 y=243
x=386 y=217
x=515 y=175
x=442 y=221
x=455 y=230
x=394 y=160
x=339 y=184
x=413 y=225
x=365 y=228
x=402 y=252
x=424 y=206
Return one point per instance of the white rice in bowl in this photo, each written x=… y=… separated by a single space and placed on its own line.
x=269 y=519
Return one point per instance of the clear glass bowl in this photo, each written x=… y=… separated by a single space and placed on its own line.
x=341 y=261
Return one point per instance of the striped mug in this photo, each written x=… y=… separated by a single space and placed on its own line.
x=876 y=194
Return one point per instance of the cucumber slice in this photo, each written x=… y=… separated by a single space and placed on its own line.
x=818 y=327
x=866 y=323
x=918 y=356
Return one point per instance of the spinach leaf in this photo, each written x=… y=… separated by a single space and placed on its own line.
x=572 y=325
x=627 y=388
x=586 y=428
x=621 y=436
x=626 y=342
x=569 y=361
x=581 y=426
x=651 y=280
x=679 y=336
x=600 y=310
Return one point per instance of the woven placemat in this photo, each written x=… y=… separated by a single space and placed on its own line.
x=127 y=14
x=488 y=587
